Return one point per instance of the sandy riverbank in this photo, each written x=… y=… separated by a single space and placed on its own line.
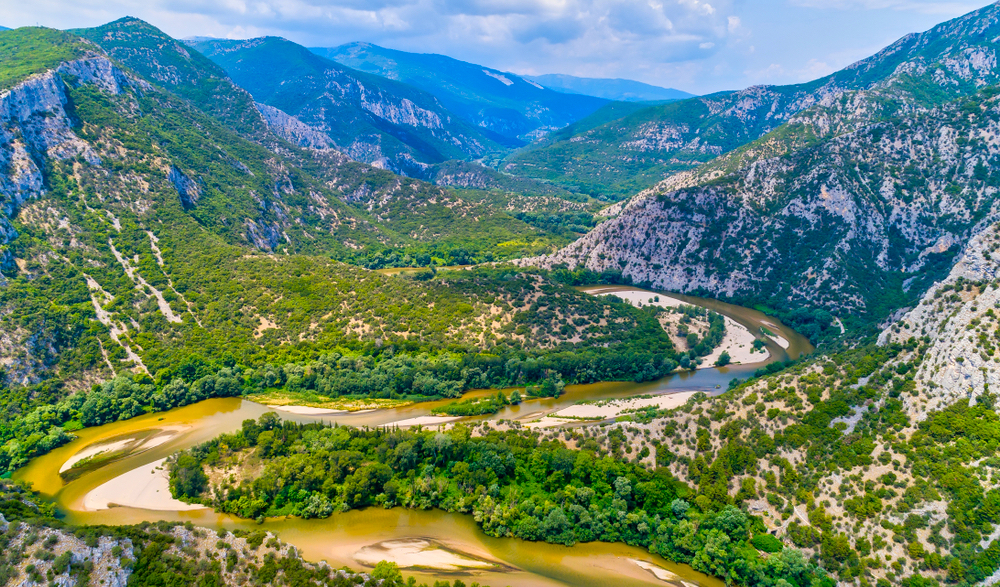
x=147 y=487
x=418 y=553
x=738 y=342
x=611 y=408
x=551 y=421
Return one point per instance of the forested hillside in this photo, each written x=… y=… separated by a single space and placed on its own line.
x=170 y=237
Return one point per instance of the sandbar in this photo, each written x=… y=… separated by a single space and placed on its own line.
x=146 y=487
x=780 y=340
x=94 y=450
x=612 y=408
x=307 y=410
x=424 y=421
x=410 y=553
x=127 y=446
x=660 y=573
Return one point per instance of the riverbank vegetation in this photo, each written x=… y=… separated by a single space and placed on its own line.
x=478 y=406
x=515 y=485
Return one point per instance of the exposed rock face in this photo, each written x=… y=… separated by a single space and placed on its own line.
x=35 y=126
x=293 y=130
x=825 y=224
x=958 y=317
x=187 y=189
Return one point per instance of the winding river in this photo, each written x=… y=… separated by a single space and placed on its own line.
x=340 y=539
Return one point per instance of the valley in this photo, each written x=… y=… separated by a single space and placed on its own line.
x=275 y=313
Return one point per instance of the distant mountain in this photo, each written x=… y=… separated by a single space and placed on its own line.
x=3 y=28
x=625 y=156
x=500 y=102
x=624 y=90
x=373 y=119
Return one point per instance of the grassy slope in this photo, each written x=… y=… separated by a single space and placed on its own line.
x=29 y=50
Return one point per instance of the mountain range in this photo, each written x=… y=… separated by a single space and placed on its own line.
x=624 y=90
x=624 y=156
x=856 y=201
x=503 y=103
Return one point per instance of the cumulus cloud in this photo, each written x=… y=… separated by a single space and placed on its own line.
x=697 y=45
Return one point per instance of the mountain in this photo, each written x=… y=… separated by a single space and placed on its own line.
x=150 y=214
x=625 y=90
x=854 y=205
x=141 y=234
x=633 y=153
x=502 y=103
x=371 y=119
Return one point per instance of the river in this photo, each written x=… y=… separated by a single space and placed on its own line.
x=339 y=539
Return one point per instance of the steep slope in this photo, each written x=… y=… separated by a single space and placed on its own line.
x=956 y=318
x=510 y=106
x=879 y=460
x=809 y=215
x=625 y=90
x=419 y=215
x=371 y=119
x=627 y=155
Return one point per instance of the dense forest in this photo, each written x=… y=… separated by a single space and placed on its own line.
x=514 y=484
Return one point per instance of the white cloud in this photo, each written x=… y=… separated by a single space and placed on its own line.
x=923 y=6
x=697 y=45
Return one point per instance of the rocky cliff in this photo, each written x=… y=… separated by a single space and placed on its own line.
x=845 y=208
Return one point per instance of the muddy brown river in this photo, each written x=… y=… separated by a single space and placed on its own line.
x=344 y=538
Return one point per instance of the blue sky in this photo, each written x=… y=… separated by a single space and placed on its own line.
x=694 y=45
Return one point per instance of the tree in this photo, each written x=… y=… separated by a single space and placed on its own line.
x=187 y=477
x=723 y=359
x=388 y=573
